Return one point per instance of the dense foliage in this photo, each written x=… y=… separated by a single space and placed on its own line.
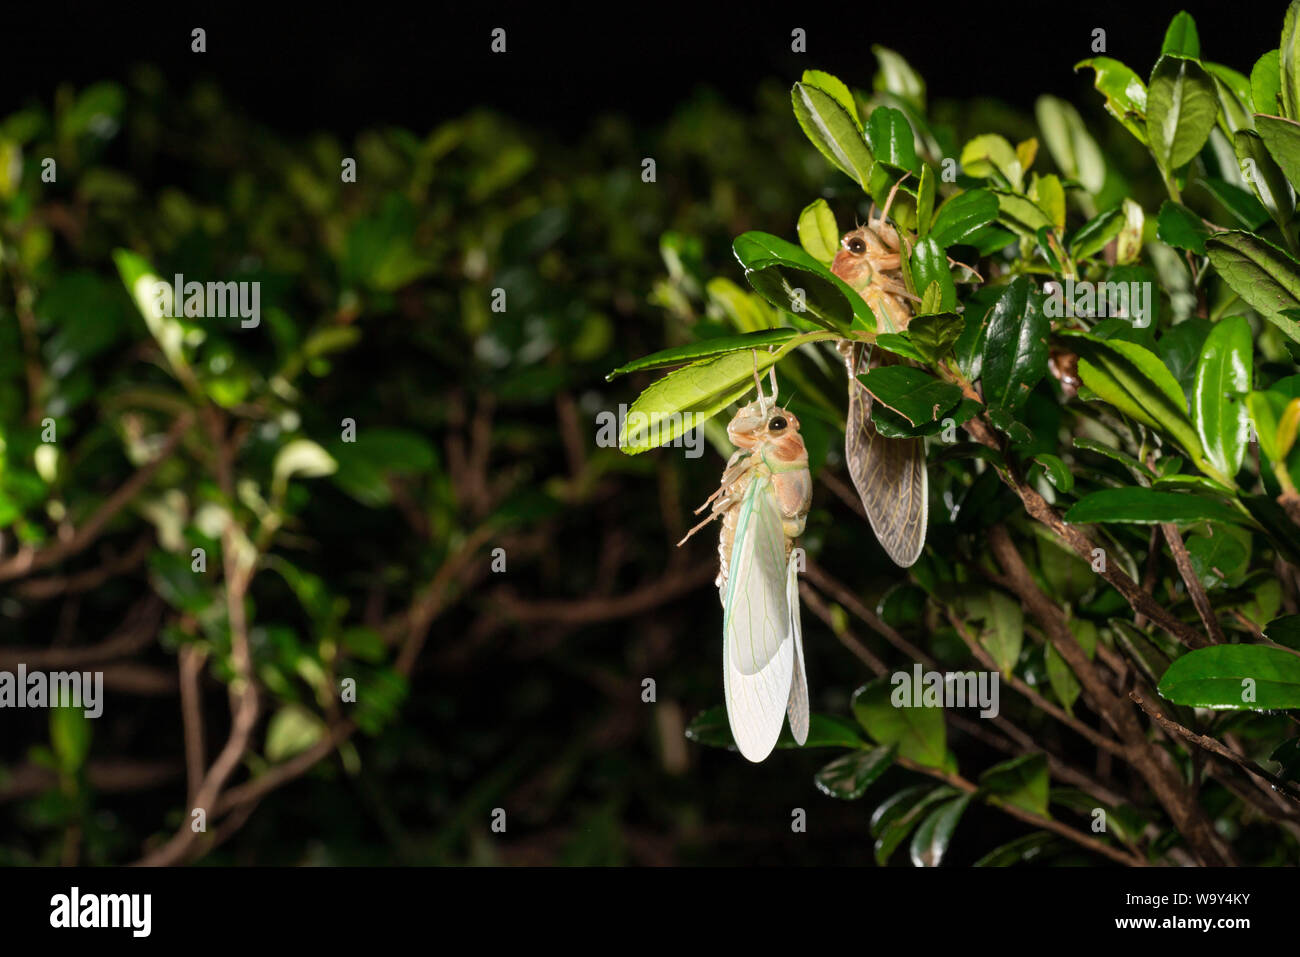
x=394 y=478
x=1114 y=527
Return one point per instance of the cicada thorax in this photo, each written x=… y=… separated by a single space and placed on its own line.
x=769 y=449
x=869 y=260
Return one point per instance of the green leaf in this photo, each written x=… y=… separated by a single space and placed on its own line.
x=1059 y=675
x=1145 y=506
x=839 y=91
x=919 y=733
x=929 y=265
x=1266 y=84
x=1265 y=177
x=1289 y=62
x=1220 y=558
x=1021 y=214
x=1234 y=677
x=930 y=842
x=1265 y=277
x=687 y=398
x=70 y=734
x=1025 y=848
x=848 y=777
x=1092 y=236
x=891 y=140
x=1015 y=346
x=1136 y=382
x=1058 y=473
x=300 y=457
x=834 y=132
x=761 y=252
x=1223 y=378
x=913 y=394
x=1181 y=228
x=1072 y=147
x=818 y=233
x=963 y=216
x=894 y=819
x=1233 y=92
x=293 y=729
x=1285 y=631
x=1181 y=109
x=1006 y=634
x=1181 y=38
x=1282 y=138
x=990 y=153
x=1240 y=203
x=1125 y=93
x=1021 y=782
x=933 y=334
x=678 y=355
x=895 y=75
x=1273 y=426
x=925 y=200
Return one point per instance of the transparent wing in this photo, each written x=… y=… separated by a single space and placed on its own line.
x=758 y=660
x=797 y=707
x=890 y=477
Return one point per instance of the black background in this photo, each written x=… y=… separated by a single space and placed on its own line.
x=350 y=66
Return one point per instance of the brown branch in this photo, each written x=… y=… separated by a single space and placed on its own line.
x=1204 y=741
x=29 y=559
x=1155 y=766
x=1046 y=823
x=1184 y=562
x=191 y=660
x=819 y=577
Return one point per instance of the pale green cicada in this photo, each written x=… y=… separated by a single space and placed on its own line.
x=763 y=502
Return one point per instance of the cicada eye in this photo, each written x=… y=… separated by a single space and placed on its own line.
x=857 y=246
x=777 y=424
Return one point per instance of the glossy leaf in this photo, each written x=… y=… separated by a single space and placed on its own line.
x=833 y=131
x=689 y=397
x=1181 y=109
x=1234 y=677
x=1015 y=346
x=918 y=732
x=1181 y=228
x=1264 y=276
x=1145 y=506
x=1021 y=782
x=1223 y=377
x=818 y=233
x=848 y=777
x=913 y=394
x=930 y=842
x=1125 y=93
x=1282 y=138
x=962 y=216
x=680 y=355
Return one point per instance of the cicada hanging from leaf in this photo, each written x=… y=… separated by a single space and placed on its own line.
x=888 y=473
x=763 y=501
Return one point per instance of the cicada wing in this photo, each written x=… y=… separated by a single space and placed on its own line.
x=797 y=707
x=890 y=477
x=758 y=657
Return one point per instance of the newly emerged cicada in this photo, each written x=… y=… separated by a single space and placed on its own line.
x=763 y=501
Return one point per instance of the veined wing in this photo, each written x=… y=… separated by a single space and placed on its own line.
x=758 y=657
x=797 y=706
x=890 y=477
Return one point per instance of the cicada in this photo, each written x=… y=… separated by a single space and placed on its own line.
x=763 y=501
x=888 y=473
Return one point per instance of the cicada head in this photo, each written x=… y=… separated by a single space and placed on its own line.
x=861 y=250
x=763 y=424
